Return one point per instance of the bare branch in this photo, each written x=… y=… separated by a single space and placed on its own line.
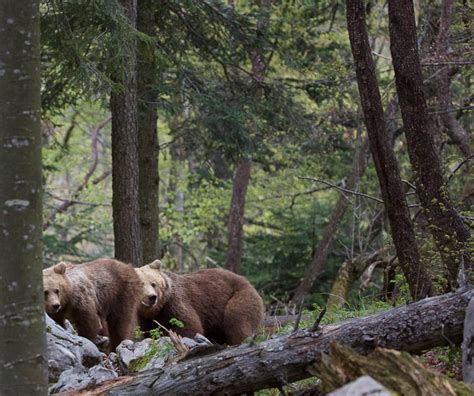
x=341 y=188
x=95 y=160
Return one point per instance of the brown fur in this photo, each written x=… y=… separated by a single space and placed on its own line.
x=216 y=303
x=98 y=297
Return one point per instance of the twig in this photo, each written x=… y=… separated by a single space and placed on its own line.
x=318 y=320
x=456 y=168
x=298 y=318
x=341 y=188
x=381 y=56
x=411 y=185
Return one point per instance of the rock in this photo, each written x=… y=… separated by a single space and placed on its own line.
x=362 y=386
x=156 y=362
x=189 y=342
x=131 y=354
x=67 y=350
x=198 y=339
x=143 y=355
x=80 y=378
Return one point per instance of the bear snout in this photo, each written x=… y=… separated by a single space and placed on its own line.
x=152 y=299
x=55 y=307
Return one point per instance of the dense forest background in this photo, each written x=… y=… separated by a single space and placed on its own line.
x=320 y=148
x=259 y=123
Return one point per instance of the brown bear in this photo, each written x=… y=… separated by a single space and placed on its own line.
x=216 y=303
x=98 y=297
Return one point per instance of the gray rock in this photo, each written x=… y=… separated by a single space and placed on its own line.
x=80 y=378
x=143 y=355
x=67 y=350
x=189 y=342
x=198 y=340
x=130 y=353
x=362 y=386
x=156 y=362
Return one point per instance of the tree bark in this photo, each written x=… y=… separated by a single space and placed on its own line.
x=125 y=169
x=398 y=371
x=468 y=345
x=448 y=117
x=23 y=361
x=322 y=250
x=386 y=164
x=450 y=234
x=236 y=215
x=413 y=328
x=148 y=148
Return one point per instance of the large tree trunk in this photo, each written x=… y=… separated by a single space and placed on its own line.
x=23 y=367
x=236 y=215
x=125 y=172
x=413 y=328
x=386 y=164
x=450 y=234
x=322 y=250
x=148 y=148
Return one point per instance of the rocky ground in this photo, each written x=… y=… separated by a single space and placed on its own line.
x=75 y=362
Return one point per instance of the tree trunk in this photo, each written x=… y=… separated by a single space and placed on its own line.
x=386 y=164
x=125 y=170
x=468 y=345
x=148 y=148
x=276 y=362
x=448 y=117
x=236 y=215
x=23 y=361
x=450 y=234
x=322 y=250
x=243 y=169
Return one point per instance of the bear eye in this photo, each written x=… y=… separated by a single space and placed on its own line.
x=56 y=291
x=46 y=292
x=153 y=284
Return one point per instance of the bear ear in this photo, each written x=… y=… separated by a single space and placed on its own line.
x=155 y=265
x=60 y=268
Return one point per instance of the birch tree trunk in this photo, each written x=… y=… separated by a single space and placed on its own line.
x=386 y=164
x=23 y=368
x=450 y=234
x=125 y=170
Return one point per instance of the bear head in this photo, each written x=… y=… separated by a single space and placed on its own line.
x=155 y=287
x=56 y=286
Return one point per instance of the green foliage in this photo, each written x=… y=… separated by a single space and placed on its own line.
x=177 y=323
x=303 y=119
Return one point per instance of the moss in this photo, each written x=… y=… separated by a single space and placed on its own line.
x=157 y=348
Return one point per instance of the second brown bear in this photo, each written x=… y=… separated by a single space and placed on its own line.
x=216 y=303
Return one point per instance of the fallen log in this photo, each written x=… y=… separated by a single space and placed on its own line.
x=431 y=322
x=397 y=371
